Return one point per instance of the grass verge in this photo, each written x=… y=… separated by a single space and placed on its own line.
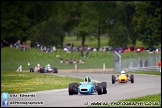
x=18 y=82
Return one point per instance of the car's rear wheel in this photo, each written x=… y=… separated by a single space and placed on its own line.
x=113 y=79
x=71 y=89
x=104 y=86
x=55 y=70
x=132 y=78
x=42 y=70
x=99 y=88
x=31 y=69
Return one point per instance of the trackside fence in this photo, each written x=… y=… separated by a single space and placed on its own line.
x=140 y=63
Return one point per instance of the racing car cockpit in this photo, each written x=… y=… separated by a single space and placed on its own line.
x=87 y=79
x=122 y=72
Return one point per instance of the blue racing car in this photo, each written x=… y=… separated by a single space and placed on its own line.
x=87 y=87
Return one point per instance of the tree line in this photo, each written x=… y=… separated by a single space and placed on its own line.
x=123 y=22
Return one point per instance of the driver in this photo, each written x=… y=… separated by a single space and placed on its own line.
x=48 y=68
x=37 y=68
x=122 y=72
x=87 y=79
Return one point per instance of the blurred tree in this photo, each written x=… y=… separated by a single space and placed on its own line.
x=147 y=22
x=14 y=20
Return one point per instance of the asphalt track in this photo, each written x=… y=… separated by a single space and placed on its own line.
x=143 y=85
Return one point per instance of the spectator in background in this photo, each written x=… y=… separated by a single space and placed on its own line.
x=72 y=45
x=89 y=48
x=81 y=52
x=138 y=50
x=1 y=44
x=159 y=65
x=41 y=48
x=146 y=64
x=81 y=61
x=157 y=50
x=70 y=61
x=74 y=48
x=61 y=60
x=65 y=49
x=54 y=49
x=141 y=63
x=87 y=53
x=17 y=44
x=45 y=49
x=37 y=45
x=67 y=60
x=94 y=50
x=48 y=49
x=75 y=61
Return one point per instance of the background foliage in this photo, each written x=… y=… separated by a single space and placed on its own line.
x=48 y=22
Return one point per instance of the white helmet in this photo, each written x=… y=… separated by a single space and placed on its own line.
x=48 y=65
x=38 y=64
x=122 y=72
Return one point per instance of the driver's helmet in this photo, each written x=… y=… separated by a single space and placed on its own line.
x=87 y=79
x=48 y=65
x=38 y=64
x=122 y=72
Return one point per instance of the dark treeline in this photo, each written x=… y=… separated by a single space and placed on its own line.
x=124 y=22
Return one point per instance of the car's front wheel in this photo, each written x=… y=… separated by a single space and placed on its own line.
x=42 y=70
x=104 y=86
x=132 y=78
x=75 y=87
x=99 y=88
x=113 y=79
x=71 y=89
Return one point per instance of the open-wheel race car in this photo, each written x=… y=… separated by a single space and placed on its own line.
x=36 y=68
x=87 y=87
x=122 y=78
x=47 y=69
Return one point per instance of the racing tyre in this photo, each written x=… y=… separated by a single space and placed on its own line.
x=75 y=88
x=41 y=70
x=54 y=70
x=113 y=79
x=104 y=86
x=71 y=89
x=31 y=69
x=99 y=88
x=132 y=78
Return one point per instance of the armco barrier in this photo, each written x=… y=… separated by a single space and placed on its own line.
x=150 y=68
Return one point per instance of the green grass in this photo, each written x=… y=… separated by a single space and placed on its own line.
x=12 y=58
x=145 y=101
x=18 y=82
x=92 y=41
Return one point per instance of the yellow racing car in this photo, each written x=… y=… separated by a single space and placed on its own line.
x=122 y=78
